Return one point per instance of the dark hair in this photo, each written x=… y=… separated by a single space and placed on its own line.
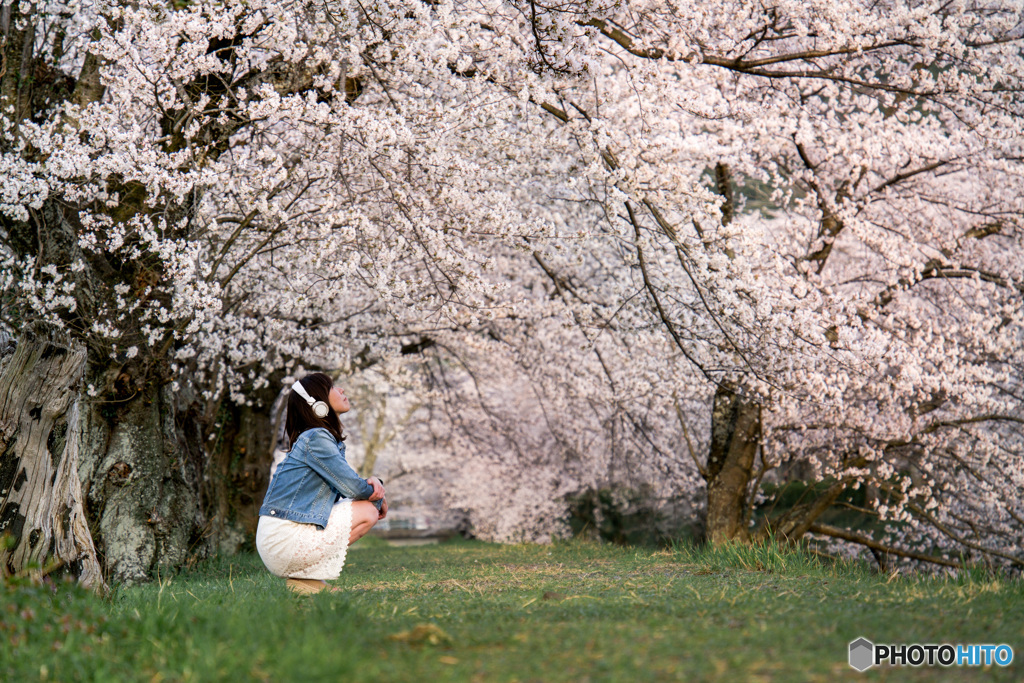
x=300 y=415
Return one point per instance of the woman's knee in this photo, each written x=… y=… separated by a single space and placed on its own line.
x=364 y=513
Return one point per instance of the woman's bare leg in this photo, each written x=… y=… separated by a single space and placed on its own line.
x=364 y=516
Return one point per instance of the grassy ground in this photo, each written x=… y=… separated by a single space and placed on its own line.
x=464 y=611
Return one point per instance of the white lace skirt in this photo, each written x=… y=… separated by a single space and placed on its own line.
x=304 y=551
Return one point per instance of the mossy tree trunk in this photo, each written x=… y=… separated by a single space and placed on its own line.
x=142 y=466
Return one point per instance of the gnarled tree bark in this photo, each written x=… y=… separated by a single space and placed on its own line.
x=41 y=511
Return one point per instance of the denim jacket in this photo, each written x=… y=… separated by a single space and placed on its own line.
x=311 y=479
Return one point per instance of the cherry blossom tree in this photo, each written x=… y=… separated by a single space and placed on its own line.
x=547 y=201
x=888 y=138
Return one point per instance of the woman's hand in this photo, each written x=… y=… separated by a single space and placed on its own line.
x=383 y=509
x=378 y=489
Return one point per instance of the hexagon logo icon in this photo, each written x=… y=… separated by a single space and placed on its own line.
x=862 y=654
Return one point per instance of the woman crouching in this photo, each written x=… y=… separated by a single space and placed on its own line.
x=316 y=504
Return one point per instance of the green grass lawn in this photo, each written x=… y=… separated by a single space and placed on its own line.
x=466 y=611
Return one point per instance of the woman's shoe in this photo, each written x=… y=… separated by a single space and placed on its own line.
x=306 y=586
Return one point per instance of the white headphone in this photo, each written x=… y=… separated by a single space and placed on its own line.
x=320 y=409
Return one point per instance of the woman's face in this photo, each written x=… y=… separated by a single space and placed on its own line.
x=339 y=401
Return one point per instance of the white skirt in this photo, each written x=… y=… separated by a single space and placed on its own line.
x=304 y=551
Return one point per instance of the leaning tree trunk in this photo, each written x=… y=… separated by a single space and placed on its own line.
x=735 y=436
x=735 y=432
x=141 y=467
x=41 y=512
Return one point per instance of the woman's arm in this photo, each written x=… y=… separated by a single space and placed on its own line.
x=326 y=457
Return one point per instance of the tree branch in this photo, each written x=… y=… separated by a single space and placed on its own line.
x=836 y=532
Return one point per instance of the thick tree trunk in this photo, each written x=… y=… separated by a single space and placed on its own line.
x=735 y=437
x=141 y=466
x=238 y=472
x=142 y=462
x=41 y=510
